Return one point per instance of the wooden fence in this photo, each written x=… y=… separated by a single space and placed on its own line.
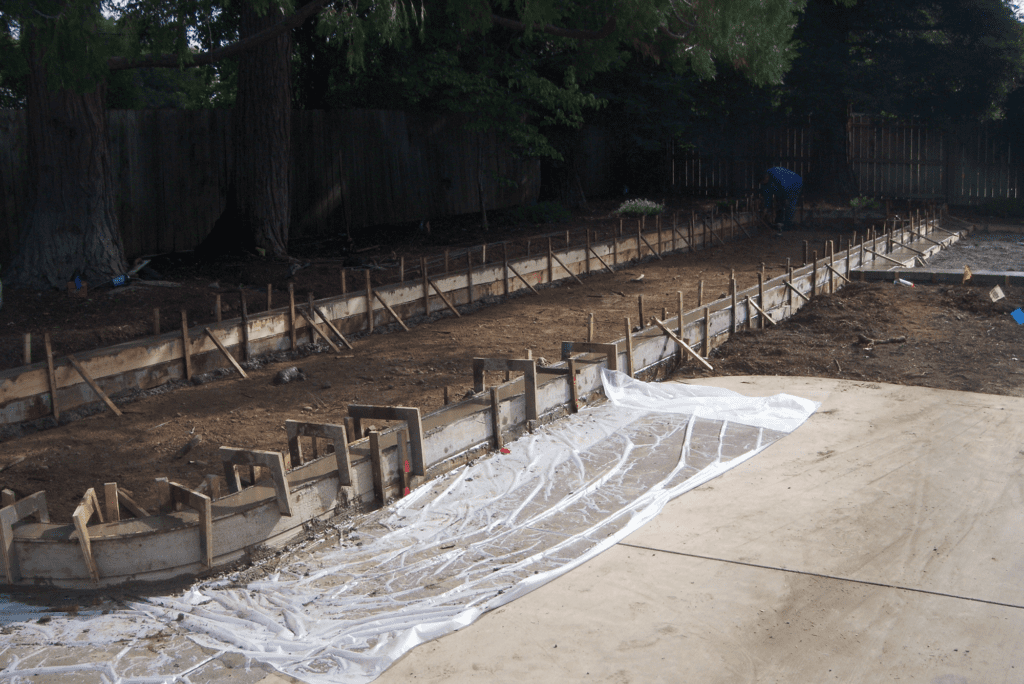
x=349 y=169
x=889 y=159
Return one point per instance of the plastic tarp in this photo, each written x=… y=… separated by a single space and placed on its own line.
x=469 y=542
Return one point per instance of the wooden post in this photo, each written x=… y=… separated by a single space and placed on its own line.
x=831 y=271
x=789 y=292
x=26 y=349
x=814 y=274
x=270 y=297
x=679 y=294
x=156 y=321
x=590 y=327
x=245 y=325
x=639 y=244
x=401 y=269
x=615 y=251
x=504 y=261
x=629 y=348
x=469 y=276
x=216 y=308
x=805 y=253
x=186 y=345
x=640 y=307
x=343 y=275
x=566 y=238
x=446 y=261
x=291 y=313
x=110 y=503
x=658 y=249
x=369 y=301
x=588 y=251
x=732 y=294
x=551 y=272
x=380 y=485
x=689 y=235
x=700 y=293
x=707 y=332
x=760 y=298
x=426 y=286
x=312 y=318
x=50 y=376
x=496 y=417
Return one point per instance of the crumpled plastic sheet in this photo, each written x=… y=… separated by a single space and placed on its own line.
x=459 y=546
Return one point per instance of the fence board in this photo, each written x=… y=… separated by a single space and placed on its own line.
x=358 y=168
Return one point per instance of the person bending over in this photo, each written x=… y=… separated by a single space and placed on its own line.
x=780 y=191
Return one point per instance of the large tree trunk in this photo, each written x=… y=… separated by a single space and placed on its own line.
x=257 y=212
x=71 y=228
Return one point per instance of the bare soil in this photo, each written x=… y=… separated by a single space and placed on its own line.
x=956 y=339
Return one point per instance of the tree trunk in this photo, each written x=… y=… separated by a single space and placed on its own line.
x=258 y=212
x=71 y=227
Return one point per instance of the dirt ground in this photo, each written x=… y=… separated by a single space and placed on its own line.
x=956 y=339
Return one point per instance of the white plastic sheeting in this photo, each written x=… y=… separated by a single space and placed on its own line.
x=464 y=544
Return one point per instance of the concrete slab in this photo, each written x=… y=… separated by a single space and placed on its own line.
x=880 y=542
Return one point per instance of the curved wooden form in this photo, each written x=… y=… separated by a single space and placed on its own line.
x=272 y=499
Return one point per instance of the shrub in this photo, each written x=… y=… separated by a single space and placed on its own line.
x=864 y=203
x=640 y=207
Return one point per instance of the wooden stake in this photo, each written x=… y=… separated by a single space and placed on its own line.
x=629 y=348
x=330 y=325
x=270 y=297
x=805 y=253
x=790 y=292
x=517 y=274
x=640 y=307
x=551 y=267
x=496 y=418
x=225 y=352
x=504 y=263
x=814 y=274
x=574 y=388
x=391 y=311
x=186 y=345
x=92 y=383
x=343 y=274
x=590 y=327
x=156 y=321
x=245 y=325
x=26 y=349
x=446 y=261
x=444 y=299
x=588 y=251
x=567 y=238
x=426 y=286
x=566 y=268
x=763 y=314
x=733 y=315
x=469 y=276
x=707 y=332
x=446 y=400
x=682 y=345
x=291 y=313
x=50 y=376
x=760 y=298
x=700 y=293
x=216 y=308
x=369 y=301
x=681 y=326
x=401 y=269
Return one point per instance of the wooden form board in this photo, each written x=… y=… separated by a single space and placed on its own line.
x=312 y=487
x=273 y=461
x=32 y=505
x=147 y=363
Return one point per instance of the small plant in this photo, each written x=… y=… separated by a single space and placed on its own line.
x=640 y=207
x=864 y=203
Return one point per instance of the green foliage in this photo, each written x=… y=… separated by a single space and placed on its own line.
x=541 y=212
x=1005 y=207
x=864 y=203
x=639 y=207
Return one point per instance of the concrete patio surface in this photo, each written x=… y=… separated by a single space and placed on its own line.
x=882 y=541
